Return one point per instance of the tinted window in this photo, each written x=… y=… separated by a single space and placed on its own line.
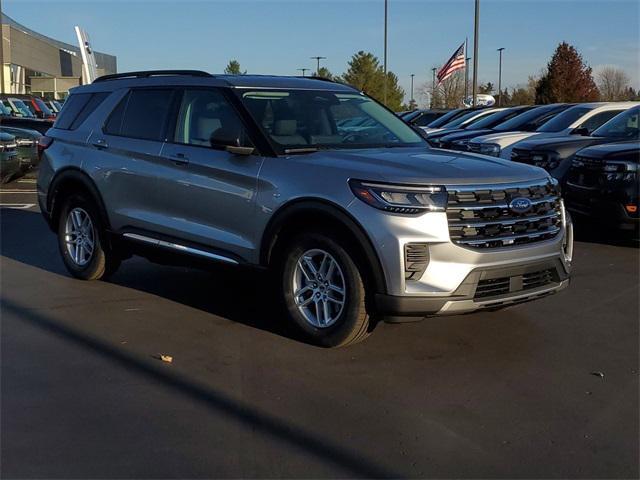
x=141 y=114
x=565 y=119
x=204 y=113
x=425 y=119
x=95 y=100
x=447 y=117
x=494 y=119
x=599 y=119
x=72 y=107
x=624 y=126
x=530 y=120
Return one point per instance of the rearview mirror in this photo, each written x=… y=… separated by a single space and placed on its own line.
x=580 y=131
x=229 y=140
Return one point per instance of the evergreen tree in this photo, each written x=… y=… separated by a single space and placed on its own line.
x=233 y=68
x=567 y=79
x=366 y=74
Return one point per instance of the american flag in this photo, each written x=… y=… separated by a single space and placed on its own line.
x=455 y=63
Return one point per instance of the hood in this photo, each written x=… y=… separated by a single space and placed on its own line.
x=426 y=166
x=442 y=133
x=630 y=149
x=503 y=138
x=464 y=134
x=568 y=144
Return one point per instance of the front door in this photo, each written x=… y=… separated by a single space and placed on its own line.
x=208 y=194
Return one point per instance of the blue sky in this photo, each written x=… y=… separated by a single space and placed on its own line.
x=278 y=37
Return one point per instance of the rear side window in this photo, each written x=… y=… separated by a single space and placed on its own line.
x=141 y=114
x=77 y=108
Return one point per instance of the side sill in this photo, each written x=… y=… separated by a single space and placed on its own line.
x=179 y=248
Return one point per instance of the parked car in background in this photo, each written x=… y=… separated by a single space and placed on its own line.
x=355 y=226
x=26 y=146
x=458 y=139
x=9 y=161
x=580 y=119
x=450 y=116
x=467 y=117
x=603 y=185
x=36 y=105
x=422 y=118
x=554 y=153
x=54 y=105
x=17 y=107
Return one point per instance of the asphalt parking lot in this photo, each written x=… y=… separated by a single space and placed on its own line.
x=547 y=389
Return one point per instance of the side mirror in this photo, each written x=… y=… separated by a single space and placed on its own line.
x=580 y=131
x=229 y=140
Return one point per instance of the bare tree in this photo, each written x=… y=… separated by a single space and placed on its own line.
x=613 y=84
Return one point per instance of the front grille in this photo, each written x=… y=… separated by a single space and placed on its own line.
x=501 y=286
x=474 y=147
x=484 y=218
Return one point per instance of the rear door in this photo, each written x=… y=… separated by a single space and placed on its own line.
x=127 y=151
x=208 y=194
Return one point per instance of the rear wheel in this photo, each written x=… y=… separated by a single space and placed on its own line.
x=81 y=240
x=323 y=291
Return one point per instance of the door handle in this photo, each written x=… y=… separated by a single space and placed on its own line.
x=100 y=143
x=179 y=158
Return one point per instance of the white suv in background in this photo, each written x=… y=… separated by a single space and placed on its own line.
x=583 y=119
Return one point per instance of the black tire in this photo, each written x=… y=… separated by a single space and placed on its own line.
x=102 y=262
x=353 y=324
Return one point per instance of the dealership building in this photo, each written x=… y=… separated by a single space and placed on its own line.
x=34 y=63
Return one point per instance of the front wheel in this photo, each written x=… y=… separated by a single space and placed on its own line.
x=323 y=291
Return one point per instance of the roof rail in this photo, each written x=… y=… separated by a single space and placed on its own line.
x=316 y=77
x=152 y=73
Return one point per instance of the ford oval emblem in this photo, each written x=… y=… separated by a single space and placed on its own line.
x=520 y=205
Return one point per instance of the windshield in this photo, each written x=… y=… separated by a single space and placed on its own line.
x=447 y=117
x=22 y=108
x=4 y=110
x=460 y=120
x=43 y=107
x=530 y=120
x=303 y=119
x=623 y=126
x=565 y=119
x=496 y=118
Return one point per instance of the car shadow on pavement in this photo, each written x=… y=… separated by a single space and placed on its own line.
x=246 y=415
x=241 y=295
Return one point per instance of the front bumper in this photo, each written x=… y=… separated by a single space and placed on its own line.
x=455 y=274
x=607 y=206
x=484 y=288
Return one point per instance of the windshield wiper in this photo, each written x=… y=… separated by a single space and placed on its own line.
x=300 y=150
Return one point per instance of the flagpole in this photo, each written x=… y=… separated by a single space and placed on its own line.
x=466 y=69
x=475 y=53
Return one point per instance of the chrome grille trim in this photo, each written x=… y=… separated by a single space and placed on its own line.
x=480 y=216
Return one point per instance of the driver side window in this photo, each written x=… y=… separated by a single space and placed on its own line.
x=205 y=114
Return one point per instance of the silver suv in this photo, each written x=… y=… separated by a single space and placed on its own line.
x=356 y=217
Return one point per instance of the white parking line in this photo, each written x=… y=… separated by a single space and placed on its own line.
x=16 y=206
x=18 y=191
x=27 y=180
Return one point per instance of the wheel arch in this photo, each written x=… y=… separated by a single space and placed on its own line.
x=297 y=212
x=72 y=180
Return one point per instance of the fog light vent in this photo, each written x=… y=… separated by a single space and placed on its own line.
x=416 y=259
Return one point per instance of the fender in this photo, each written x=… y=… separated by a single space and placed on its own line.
x=76 y=176
x=333 y=211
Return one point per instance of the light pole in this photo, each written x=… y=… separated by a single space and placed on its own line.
x=433 y=86
x=303 y=70
x=475 y=53
x=317 y=59
x=500 y=76
x=411 y=103
x=384 y=84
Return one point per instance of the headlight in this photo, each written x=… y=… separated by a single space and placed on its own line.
x=25 y=142
x=490 y=149
x=400 y=198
